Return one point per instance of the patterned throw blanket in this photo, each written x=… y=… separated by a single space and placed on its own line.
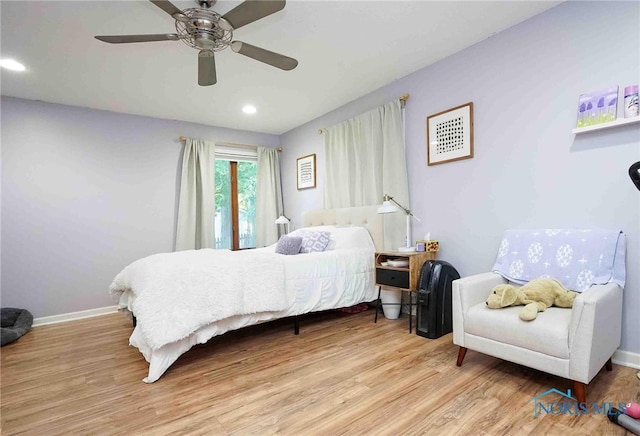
x=177 y=293
x=577 y=258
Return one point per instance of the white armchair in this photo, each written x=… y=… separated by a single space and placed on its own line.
x=571 y=343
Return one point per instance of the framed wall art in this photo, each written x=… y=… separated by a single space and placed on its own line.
x=306 y=171
x=450 y=135
x=598 y=107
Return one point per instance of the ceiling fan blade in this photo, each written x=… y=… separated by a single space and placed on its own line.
x=119 y=39
x=168 y=7
x=206 y=68
x=268 y=57
x=251 y=11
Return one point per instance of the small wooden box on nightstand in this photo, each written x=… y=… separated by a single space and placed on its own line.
x=403 y=278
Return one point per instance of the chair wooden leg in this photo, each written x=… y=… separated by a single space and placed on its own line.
x=608 y=366
x=461 y=353
x=581 y=391
x=378 y=304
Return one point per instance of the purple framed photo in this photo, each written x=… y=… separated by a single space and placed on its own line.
x=598 y=107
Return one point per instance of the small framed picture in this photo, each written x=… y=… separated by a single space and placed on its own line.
x=450 y=135
x=598 y=107
x=306 y=170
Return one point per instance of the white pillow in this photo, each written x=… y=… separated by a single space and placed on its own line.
x=342 y=237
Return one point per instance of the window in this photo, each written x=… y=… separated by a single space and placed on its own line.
x=235 y=220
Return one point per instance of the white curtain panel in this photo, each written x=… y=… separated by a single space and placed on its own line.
x=365 y=159
x=196 y=206
x=268 y=196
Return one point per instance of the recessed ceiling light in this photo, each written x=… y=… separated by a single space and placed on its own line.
x=249 y=109
x=10 y=64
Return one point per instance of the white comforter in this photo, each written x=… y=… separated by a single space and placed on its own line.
x=178 y=293
x=261 y=284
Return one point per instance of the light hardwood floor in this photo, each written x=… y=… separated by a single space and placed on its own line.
x=342 y=375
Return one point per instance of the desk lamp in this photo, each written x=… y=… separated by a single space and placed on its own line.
x=389 y=205
x=284 y=220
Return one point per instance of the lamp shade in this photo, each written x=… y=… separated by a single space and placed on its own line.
x=387 y=207
x=282 y=220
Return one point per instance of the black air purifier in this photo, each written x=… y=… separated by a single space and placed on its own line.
x=434 y=299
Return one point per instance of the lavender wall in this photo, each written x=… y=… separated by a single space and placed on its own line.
x=528 y=169
x=84 y=193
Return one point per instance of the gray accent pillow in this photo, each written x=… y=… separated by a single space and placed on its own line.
x=289 y=245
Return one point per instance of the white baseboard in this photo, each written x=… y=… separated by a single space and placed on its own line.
x=626 y=358
x=74 y=315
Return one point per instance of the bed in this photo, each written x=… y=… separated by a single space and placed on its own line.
x=170 y=294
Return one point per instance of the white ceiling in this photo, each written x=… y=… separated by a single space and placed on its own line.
x=345 y=49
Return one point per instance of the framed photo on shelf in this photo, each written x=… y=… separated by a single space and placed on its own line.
x=450 y=135
x=598 y=107
x=306 y=171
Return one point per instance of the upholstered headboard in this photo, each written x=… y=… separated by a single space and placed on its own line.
x=365 y=216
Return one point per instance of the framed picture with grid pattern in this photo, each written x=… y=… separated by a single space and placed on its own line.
x=306 y=172
x=450 y=135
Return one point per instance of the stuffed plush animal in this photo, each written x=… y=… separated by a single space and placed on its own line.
x=535 y=295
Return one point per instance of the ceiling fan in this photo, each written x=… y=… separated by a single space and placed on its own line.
x=208 y=31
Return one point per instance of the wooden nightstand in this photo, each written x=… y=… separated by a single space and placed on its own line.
x=403 y=278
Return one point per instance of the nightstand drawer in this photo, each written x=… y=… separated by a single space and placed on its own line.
x=390 y=277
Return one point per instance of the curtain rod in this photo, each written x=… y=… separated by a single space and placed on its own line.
x=403 y=99
x=232 y=144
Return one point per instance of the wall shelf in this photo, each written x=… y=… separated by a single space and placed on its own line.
x=610 y=124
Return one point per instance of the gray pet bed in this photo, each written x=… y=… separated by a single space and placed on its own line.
x=15 y=323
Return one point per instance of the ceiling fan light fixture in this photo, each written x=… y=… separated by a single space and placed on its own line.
x=202 y=30
x=249 y=109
